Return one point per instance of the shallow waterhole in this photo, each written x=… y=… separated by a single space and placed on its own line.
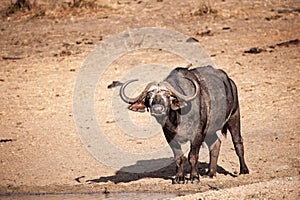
x=90 y=196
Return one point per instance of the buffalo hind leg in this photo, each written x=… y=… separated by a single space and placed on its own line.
x=234 y=127
x=213 y=159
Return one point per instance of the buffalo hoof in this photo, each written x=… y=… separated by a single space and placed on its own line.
x=244 y=171
x=195 y=180
x=210 y=174
x=178 y=180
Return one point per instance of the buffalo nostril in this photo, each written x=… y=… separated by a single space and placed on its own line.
x=157 y=108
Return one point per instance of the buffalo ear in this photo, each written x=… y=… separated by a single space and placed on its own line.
x=176 y=105
x=138 y=106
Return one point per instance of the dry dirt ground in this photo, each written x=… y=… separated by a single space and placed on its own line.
x=41 y=54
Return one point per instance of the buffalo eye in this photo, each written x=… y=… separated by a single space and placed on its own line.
x=149 y=95
x=148 y=99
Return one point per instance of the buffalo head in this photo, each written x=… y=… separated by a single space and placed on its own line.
x=158 y=98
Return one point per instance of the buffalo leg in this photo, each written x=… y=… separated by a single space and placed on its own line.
x=193 y=161
x=179 y=161
x=179 y=178
x=234 y=126
x=213 y=159
x=194 y=156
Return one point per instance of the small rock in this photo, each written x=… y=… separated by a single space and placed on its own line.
x=89 y=42
x=78 y=179
x=287 y=43
x=114 y=84
x=226 y=28
x=238 y=63
x=110 y=121
x=191 y=39
x=205 y=33
x=65 y=53
x=6 y=140
x=253 y=50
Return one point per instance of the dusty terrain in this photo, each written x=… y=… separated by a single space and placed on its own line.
x=41 y=54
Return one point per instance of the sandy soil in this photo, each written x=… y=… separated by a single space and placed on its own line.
x=41 y=54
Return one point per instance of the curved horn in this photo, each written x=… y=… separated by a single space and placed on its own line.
x=129 y=100
x=181 y=96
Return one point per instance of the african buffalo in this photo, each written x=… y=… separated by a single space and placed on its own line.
x=194 y=105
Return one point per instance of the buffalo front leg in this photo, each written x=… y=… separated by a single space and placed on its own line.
x=179 y=161
x=234 y=126
x=213 y=159
x=194 y=156
x=179 y=177
x=193 y=161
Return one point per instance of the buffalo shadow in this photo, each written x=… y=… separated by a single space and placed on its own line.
x=126 y=174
